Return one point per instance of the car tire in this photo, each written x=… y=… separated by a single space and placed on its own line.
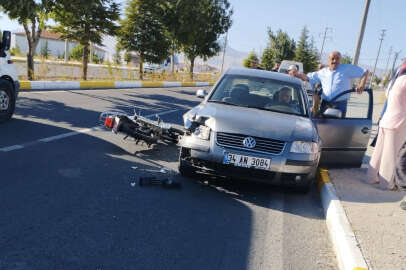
x=305 y=186
x=184 y=167
x=7 y=100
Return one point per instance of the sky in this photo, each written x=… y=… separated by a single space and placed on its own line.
x=252 y=18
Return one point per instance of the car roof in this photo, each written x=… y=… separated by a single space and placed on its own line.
x=263 y=74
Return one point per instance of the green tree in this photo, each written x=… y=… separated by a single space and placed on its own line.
x=117 y=55
x=167 y=12
x=346 y=59
x=127 y=57
x=306 y=52
x=86 y=21
x=143 y=32
x=247 y=62
x=197 y=25
x=45 y=51
x=32 y=15
x=280 y=47
x=377 y=80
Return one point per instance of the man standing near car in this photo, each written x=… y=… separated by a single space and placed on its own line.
x=336 y=78
x=276 y=66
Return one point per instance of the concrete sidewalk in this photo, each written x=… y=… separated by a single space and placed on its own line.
x=375 y=216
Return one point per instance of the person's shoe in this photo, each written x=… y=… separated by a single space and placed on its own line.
x=403 y=205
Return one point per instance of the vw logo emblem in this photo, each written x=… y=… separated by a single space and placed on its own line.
x=249 y=142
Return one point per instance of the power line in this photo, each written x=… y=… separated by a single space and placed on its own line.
x=379 y=50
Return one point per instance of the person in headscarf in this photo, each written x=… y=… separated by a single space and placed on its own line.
x=393 y=77
x=391 y=134
x=400 y=174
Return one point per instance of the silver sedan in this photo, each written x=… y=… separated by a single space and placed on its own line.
x=255 y=125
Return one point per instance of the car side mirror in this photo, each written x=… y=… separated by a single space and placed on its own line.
x=201 y=93
x=333 y=113
x=6 y=41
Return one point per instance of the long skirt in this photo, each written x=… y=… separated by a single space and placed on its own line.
x=383 y=161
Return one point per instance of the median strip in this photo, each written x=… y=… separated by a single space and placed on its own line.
x=76 y=85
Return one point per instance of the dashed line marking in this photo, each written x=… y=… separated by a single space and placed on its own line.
x=12 y=148
x=66 y=135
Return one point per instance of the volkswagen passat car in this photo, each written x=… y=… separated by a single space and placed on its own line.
x=254 y=125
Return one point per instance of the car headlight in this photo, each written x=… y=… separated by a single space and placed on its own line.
x=202 y=132
x=304 y=147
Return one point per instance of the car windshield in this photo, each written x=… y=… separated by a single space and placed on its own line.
x=260 y=93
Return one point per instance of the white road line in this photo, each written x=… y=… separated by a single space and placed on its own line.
x=66 y=135
x=11 y=148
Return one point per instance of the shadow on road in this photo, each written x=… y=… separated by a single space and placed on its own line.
x=70 y=204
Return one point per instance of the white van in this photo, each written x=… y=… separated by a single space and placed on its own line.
x=283 y=68
x=9 y=85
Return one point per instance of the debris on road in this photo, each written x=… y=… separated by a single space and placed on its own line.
x=165 y=182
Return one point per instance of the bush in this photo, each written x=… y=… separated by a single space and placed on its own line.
x=76 y=53
x=16 y=51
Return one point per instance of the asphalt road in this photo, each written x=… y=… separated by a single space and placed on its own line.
x=69 y=198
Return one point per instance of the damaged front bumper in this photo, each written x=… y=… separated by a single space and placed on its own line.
x=208 y=156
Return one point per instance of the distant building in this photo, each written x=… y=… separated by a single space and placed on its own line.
x=56 y=45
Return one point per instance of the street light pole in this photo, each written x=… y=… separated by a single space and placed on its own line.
x=377 y=57
x=361 y=33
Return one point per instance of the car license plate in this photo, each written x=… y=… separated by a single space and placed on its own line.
x=247 y=161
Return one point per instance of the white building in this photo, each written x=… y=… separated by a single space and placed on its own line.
x=56 y=45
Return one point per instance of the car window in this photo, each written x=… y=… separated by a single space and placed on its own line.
x=260 y=93
x=358 y=105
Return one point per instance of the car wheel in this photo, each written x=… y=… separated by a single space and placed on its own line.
x=184 y=167
x=7 y=100
x=305 y=185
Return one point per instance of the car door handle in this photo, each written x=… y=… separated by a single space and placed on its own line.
x=365 y=130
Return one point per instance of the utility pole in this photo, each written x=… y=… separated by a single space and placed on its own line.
x=361 y=33
x=324 y=39
x=377 y=57
x=387 y=62
x=224 y=53
x=394 y=62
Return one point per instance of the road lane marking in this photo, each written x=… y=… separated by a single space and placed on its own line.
x=12 y=148
x=69 y=134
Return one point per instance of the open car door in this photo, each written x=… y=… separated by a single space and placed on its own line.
x=345 y=140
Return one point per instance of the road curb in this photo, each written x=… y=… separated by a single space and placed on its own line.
x=346 y=246
x=75 y=85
